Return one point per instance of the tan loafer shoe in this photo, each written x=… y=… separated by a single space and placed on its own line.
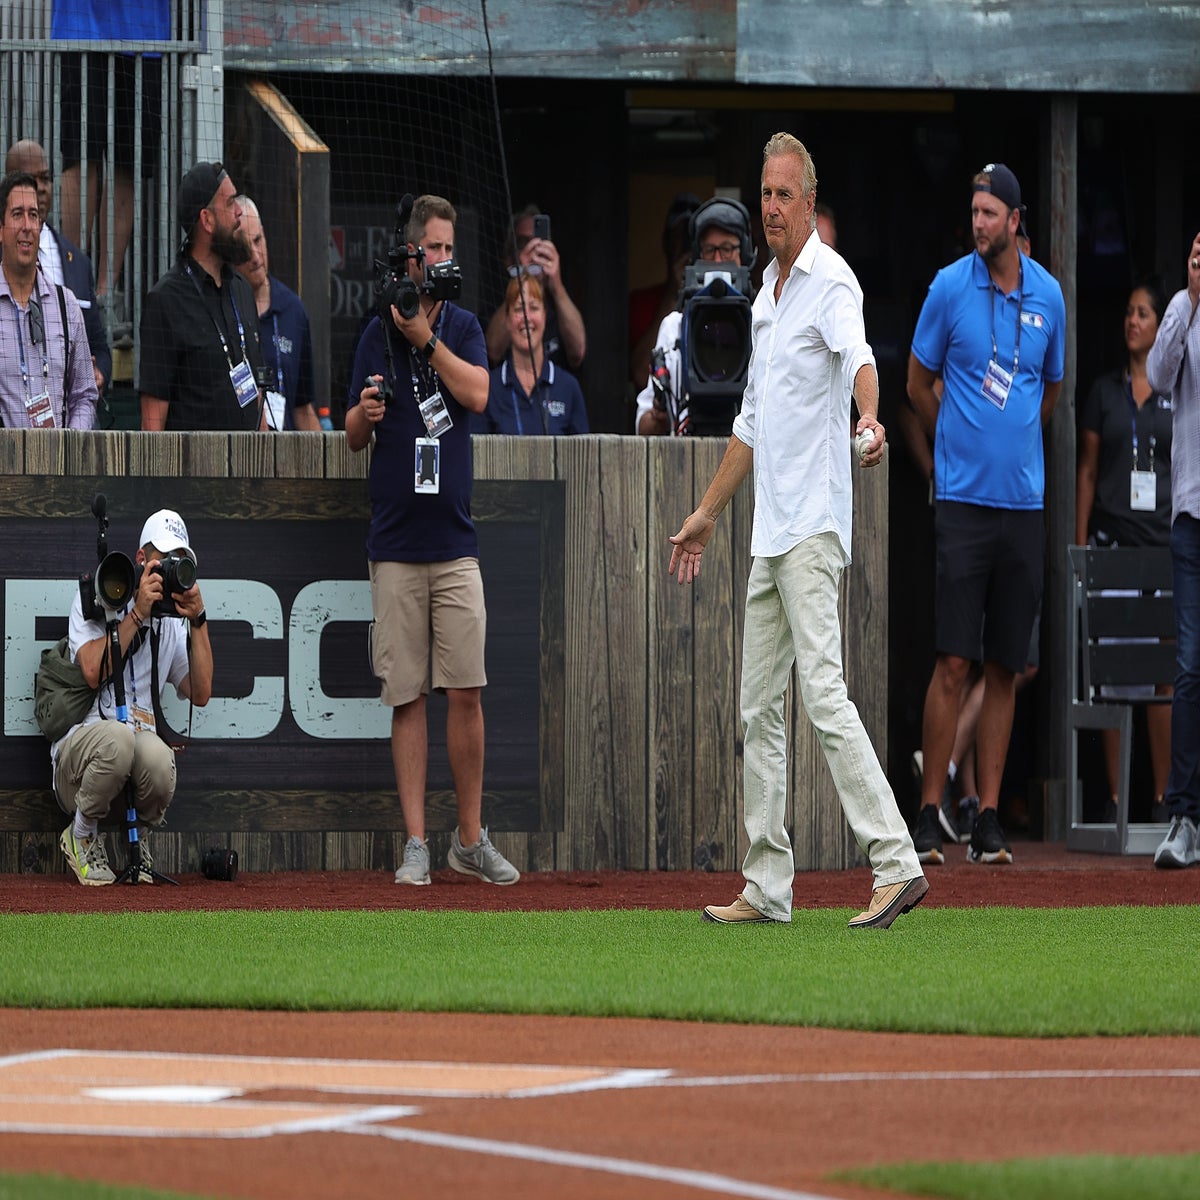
x=734 y=913
x=887 y=903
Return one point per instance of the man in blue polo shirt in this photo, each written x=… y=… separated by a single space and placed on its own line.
x=417 y=379
x=993 y=329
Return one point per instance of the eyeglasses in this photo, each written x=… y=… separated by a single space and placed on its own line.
x=37 y=327
x=721 y=252
x=531 y=269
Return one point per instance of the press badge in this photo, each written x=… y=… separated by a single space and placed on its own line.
x=40 y=410
x=996 y=385
x=276 y=407
x=428 y=465
x=244 y=385
x=1143 y=491
x=435 y=415
x=142 y=719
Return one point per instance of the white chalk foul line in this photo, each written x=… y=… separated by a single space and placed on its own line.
x=547 y=1156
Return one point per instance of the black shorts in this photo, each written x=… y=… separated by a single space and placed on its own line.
x=988 y=591
x=123 y=117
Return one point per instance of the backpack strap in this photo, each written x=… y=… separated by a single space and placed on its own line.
x=62 y=308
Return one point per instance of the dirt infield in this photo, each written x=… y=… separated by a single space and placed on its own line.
x=269 y=1106
x=1043 y=875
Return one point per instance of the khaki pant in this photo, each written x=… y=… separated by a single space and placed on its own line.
x=792 y=617
x=97 y=760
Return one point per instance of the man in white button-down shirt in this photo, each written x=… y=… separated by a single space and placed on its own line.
x=809 y=357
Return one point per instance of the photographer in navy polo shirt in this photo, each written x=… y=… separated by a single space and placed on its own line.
x=416 y=382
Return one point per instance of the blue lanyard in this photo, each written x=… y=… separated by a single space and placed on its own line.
x=533 y=399
x=220 y=332
x=1017 y=345
x=278 y=353
x=1133 y=412
x=21 y=350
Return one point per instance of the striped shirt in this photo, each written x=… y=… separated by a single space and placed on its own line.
x=71 y=385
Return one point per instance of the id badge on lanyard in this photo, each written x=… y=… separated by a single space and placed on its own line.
x=997 y=383
x=244 y=385
x=1143 y=491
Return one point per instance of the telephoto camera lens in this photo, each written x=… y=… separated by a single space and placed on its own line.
x=219 y=863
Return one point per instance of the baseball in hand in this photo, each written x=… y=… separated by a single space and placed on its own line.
x=1196 y=264
x=862 y=443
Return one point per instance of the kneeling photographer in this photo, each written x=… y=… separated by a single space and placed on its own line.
x=148 y=616
x=702 y=351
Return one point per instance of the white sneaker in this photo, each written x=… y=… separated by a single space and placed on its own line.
x=415 y=867
x=1178 y=848
x=482 y=860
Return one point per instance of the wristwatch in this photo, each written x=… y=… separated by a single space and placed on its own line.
x=199 y=619
x=430 y=346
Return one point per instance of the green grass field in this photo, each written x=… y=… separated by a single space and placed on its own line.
x=993 y=971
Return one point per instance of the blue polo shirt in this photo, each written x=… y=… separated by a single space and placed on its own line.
x=407 y=525
x=287 y=347
x=510 y=410
x=983 y=454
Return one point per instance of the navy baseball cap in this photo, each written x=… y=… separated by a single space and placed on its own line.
x=1002 y=183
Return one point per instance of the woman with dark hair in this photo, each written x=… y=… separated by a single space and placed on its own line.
x=1123 y=488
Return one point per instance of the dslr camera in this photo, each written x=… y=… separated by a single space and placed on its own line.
x=394 y=285
x=117 y=576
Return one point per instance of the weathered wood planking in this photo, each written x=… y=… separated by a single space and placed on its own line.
x=647 y=711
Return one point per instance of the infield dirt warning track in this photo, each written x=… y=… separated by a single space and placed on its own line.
x=343 y=1106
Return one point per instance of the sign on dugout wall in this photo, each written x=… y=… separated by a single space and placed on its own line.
x=295 y=722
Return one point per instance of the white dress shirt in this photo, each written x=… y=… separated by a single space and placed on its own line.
x=48 y=257
x=807 y=350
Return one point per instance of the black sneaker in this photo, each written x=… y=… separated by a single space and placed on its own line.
x=987 y=840
x=927 y=837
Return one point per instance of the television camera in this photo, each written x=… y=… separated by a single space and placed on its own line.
x=714 y=345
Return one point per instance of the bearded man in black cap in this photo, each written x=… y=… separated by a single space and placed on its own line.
x=202 y=363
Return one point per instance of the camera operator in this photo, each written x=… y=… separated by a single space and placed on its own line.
x=425 y=375
x=720 y=233
x=95 y=759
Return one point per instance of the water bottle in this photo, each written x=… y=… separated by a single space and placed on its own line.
x=323 y=417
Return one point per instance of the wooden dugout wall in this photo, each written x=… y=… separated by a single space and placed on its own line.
x=645 y=748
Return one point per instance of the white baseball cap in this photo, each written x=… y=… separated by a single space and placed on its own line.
x=165 y=531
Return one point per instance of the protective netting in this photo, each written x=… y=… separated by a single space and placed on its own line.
x=122 y=99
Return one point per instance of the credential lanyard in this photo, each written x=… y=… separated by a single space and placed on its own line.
x=278 y=352
x=1017 y=344
x=1133 y=411
x=216 y=324
x=21 y=350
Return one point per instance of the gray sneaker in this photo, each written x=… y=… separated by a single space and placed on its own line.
x=86 y=857
x=482 y=860
x=415 y=867
x=1178 y=848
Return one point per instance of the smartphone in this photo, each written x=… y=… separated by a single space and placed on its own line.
x=541 y=227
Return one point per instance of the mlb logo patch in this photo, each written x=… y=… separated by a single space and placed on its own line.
x=1034 y=319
